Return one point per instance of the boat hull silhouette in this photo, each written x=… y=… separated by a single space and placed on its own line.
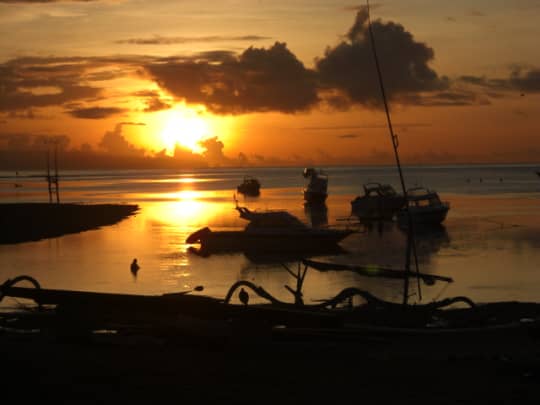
x=278 y=240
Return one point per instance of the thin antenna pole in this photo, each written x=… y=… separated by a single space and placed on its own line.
x=49 y=175
x=56 y=172
x=395 y=144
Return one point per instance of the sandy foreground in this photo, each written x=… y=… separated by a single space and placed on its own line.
x=246 y=369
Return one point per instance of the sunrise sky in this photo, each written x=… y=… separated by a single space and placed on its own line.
x=269 y=82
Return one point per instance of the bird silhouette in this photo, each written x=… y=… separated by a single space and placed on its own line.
x=244 y=296
x=134 y=266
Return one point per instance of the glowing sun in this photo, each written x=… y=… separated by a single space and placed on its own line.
x=186 y=128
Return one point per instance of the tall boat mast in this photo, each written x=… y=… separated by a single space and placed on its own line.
x=395 y=143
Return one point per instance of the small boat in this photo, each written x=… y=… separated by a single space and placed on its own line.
x=269 y=231
x=250 y=186
x=425 y=207
x=379 y=202
x=316 y=190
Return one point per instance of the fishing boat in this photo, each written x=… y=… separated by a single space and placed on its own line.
x=274 y=230
x=424 y=207
x=250 y=186
x=316 y=189
x=379 y=202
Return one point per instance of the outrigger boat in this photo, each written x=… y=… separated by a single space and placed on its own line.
x=186 y=315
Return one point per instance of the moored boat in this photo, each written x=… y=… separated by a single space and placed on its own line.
x=269 y=231
x=316 y=190
x=424 y=206
x=250 y=186
x=379 y=202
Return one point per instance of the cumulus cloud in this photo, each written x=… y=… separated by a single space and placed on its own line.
x=257 y=80
x=350 y=68
x=213 y=150
x=115 y=143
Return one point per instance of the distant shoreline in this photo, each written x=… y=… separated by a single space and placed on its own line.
x=26 y=222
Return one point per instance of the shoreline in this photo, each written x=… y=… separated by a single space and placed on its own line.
x=29 y=222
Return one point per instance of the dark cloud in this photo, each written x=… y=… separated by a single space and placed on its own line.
x=449 y=98
x=23 y=87
x=96 y=113
x=258 y=80
x=348 y=136
x=41 y=82
x=520 y=79
x=350 y=68
x=159 y=40
x=152 y=100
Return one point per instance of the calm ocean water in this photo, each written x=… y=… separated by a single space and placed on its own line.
x=489 y=244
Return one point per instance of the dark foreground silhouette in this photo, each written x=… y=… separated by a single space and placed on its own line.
x=25 y=222
x=134 y=369
x=122 y=348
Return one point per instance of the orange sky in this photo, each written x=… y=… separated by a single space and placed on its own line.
x=271 y=82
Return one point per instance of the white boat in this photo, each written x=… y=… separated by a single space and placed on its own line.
x=425 y=207
x=316 y=190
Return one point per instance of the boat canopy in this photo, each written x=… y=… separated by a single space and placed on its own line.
x=270 y=219
x=421 y=193
x=385 y=190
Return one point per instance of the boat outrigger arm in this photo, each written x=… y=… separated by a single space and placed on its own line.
x=376 y=271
